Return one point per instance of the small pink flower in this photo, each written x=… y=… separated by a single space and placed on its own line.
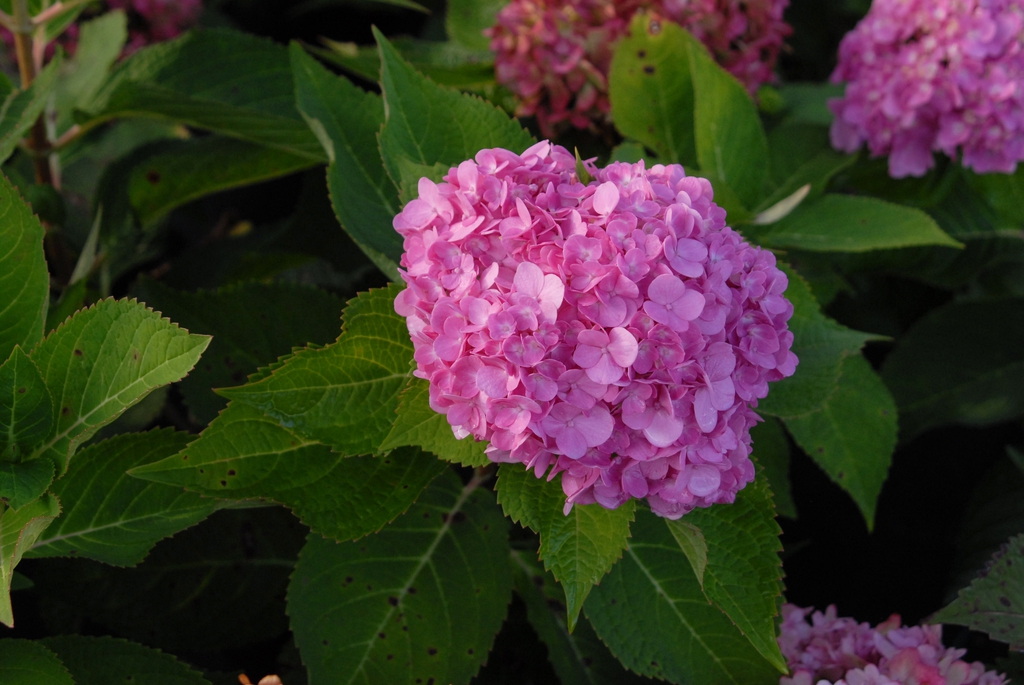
x=605 y=356
x=672 y=304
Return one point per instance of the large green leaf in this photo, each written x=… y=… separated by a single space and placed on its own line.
x=24 y=280
x=853 y=435
x=418 y=424
x=653 y=615
x=742 y=574
x=466 y=21
x=771 y=451
x=347 y=121
x=26 y=409
x=820 y=344
x=845 y=223
x=26 y=662
x=962 y=363
x=22 y=482
x=579 y=547
x=105 y=660
x=100 y=42
x=651 y=90
x=345 y=394
x=102 y=361
x=578 y=657
x=252 y=324
x=226 y=81
x=22 y=109
x=421 y=600
x=18 y=531
x=110 y=516
x=428 y=126
x=244 y=454
x=994 y=602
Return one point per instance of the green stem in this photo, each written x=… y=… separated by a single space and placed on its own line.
x=38 y=141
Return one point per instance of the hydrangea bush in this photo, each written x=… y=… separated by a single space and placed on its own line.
x=318 y=365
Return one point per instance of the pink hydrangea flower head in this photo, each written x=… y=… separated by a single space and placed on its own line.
x=555 y=55
x=926 y=76
x=152 y=21
x=828 y=650
x=616 y=334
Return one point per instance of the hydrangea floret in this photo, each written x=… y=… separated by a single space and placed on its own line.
x=828 y=650
x=555 y=55
x=616 y=333
x=926 y=76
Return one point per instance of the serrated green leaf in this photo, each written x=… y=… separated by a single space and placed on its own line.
x=347 y=120
x=26 y=662
x=466 y=21
x=102 y=361
x=252 y=324
x=18 y=531
x=994 y=602
x=651 y=90
x=428 y=125
x=26 y=409
x=579 y=657
x=229 y=82
x=845 y=223
x=343 y=395
x=820 y=344
x=853 y=435
x=105 y=660
x=691 y=540
x=962 y=363
x=24 y=280
x=652 y=614
x=422 y=599
x=110 y=516
x=23 y=107
x=580 y=547
x=418 y=424
x=771 y=452
x=22 y=482
x=743 y=574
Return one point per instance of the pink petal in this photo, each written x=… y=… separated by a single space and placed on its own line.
x=605 y=371
x=606 y=198
x=689 y=306
x=704 y=411
x=664 y=430
x=597 y=426
x=587 y=356
x=493 y=382
x=665 y=289
x=705 y=480
x=571 y=443
x=623 y=346
x=529 y=279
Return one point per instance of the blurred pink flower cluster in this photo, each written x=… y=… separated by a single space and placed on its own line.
x=616 y=333
x=830 y=650
x=928 y=76
x=555 y=55
x=153 y=21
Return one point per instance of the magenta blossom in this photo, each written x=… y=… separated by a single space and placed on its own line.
x=555 y=55
x=616 y=333
x=928 y=76
x=839 y=651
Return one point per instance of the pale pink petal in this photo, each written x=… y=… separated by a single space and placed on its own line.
x=493 y=381
x=529 y=279
x=606 y=197
x=623 y=346
x=704 y=480
x=664 y=429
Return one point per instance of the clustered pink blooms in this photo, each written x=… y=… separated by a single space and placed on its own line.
x=555 y=55
x=928 y=76
x=617 y=332
x=840 y=651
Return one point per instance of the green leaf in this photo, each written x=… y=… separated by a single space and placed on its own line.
x=100 y=42
x=18 y=531
x=24 y=482
x=26 y=409
x=347 y=121
x=994 y=602
x=651 y=89
x=771 y=452
x=239 y=319
x=102 y=361
x=652 y=614
x=243 y=454
x=962 y=363
x=24 y=280
x=1002 y=192
x=853 y=435
x=343 y=395
x=105 y=660
x=466 y=21
x=691 y=540
x=816 y=172
x=743 y=574
x=807 y=103
x=22 y=109
x=429 y=125
x=197 y=167
x=580 y=547
x=110 y=516
x=844 y=223
x=820 y=344
x=225 y=81
x=26 y=662
x=579 y=657
x=422 y=599
x=418 y=424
